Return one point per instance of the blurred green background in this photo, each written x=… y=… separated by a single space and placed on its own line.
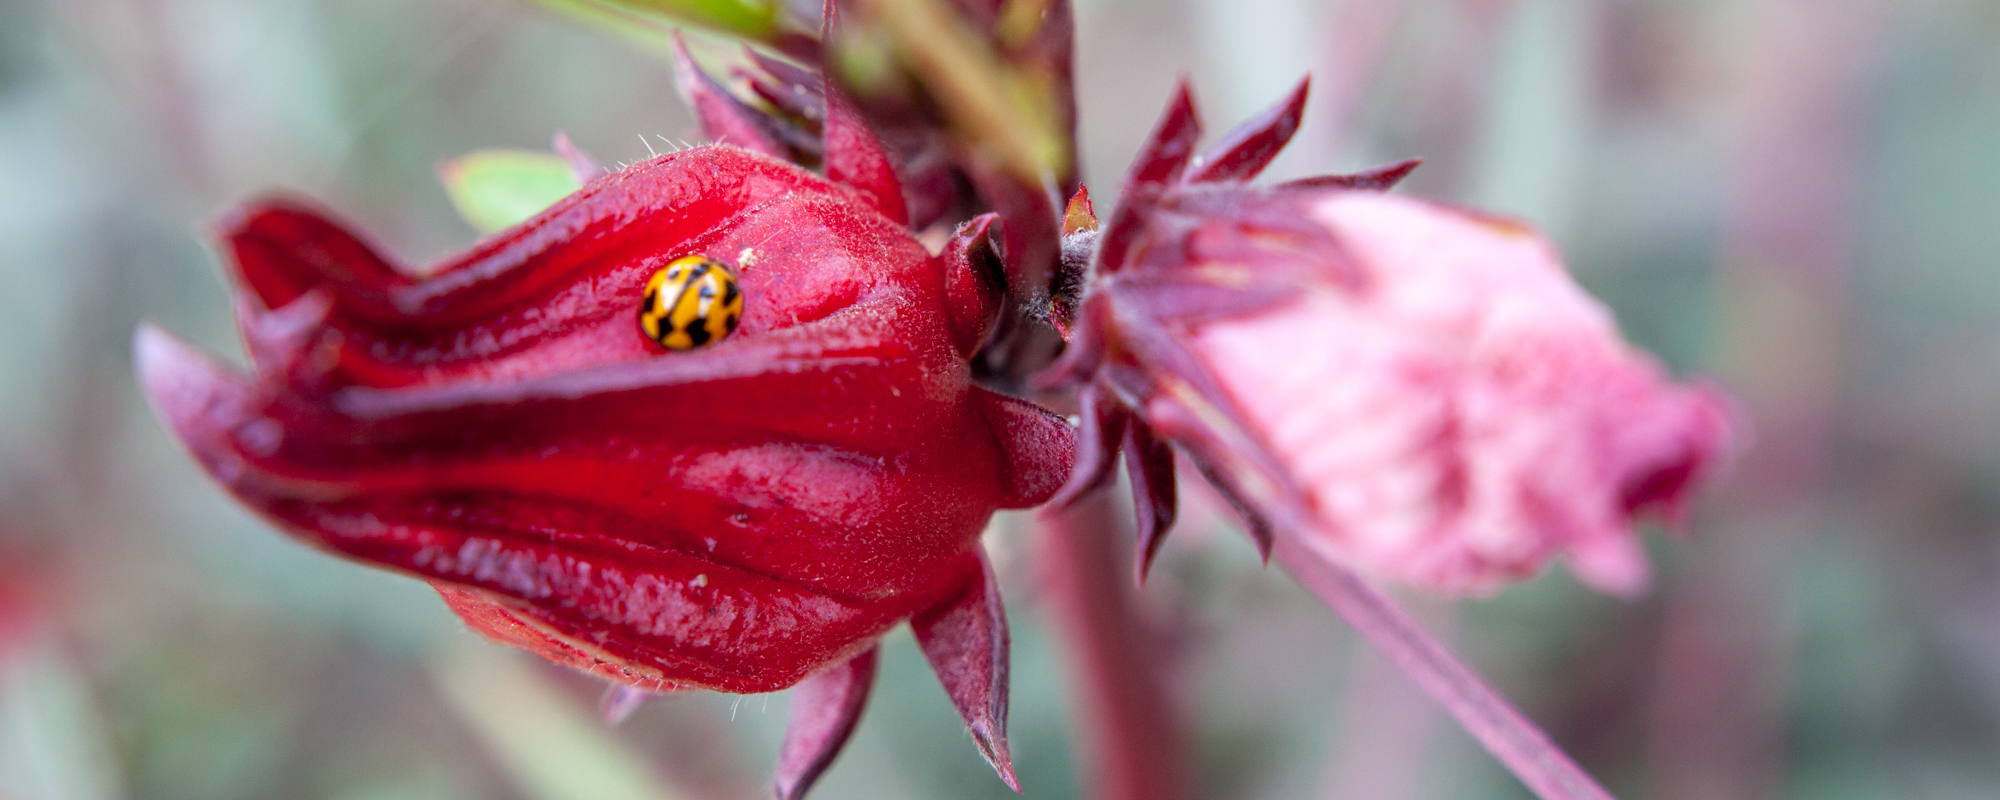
x=1799 y=197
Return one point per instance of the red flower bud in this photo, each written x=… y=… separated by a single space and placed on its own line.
x=734 y=516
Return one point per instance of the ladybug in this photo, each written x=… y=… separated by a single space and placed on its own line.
x=692 y=301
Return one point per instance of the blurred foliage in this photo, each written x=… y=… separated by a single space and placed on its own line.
x=646 y=19
x=187 y=651
x=552 y=748
x=1008 y=109
x=495 y=189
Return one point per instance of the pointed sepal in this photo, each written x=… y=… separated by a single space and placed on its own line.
x=723 y=117
x=1166 y=153
x=1160 y=162
x=1079 y=216
x=826 y=707
x=1379 y=179
x=1037 y=444
x=1248 y=149
x=789 y=88
x=1255 y=524
x=619 y=701
x=853 y=156
x=581 y=166
x=965 y=641
x=856 y=159
x=1149 y=464
x=1104 y=421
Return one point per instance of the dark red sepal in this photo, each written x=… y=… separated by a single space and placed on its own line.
x=1249 y=148
x=1082 y=354
x=723 y=118
x=1030 y=231
x=1103 y=430
x=1183 y=402
x=1149 y=465
x=965 y=640
x=1159 y=163
x=1255 y=523
x=1186 y=298
x=1379 y=179
x=825 y=709
x=581 y=165
x=792 y=89
x=1036 y=444
x=1166 y=153
x=854 y=158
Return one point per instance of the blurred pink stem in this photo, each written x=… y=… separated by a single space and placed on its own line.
x=1129 y=718
x=1386 y=725
x=1509 y=736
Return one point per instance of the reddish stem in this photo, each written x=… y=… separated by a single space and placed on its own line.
x=1134 y=743
x=1502 y=729
x=1386 y=725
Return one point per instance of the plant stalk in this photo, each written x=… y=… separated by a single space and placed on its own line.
x=1512 y=739
x=1134 y=739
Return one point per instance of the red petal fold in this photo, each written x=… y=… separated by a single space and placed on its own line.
x=825 y=709
x=975 y=283
x=691 y=544
x=559 y=291
x=284 y=248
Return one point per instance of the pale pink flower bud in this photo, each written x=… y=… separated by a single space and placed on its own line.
x=1460 y=412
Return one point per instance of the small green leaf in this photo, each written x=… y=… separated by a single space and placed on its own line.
x=496 y=189
x=642 y=19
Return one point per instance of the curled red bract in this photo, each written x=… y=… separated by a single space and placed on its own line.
x=733 y=517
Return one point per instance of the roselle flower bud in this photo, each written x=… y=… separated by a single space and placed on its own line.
x=1466 y=413
x=1417 y=391
x=735 y=516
